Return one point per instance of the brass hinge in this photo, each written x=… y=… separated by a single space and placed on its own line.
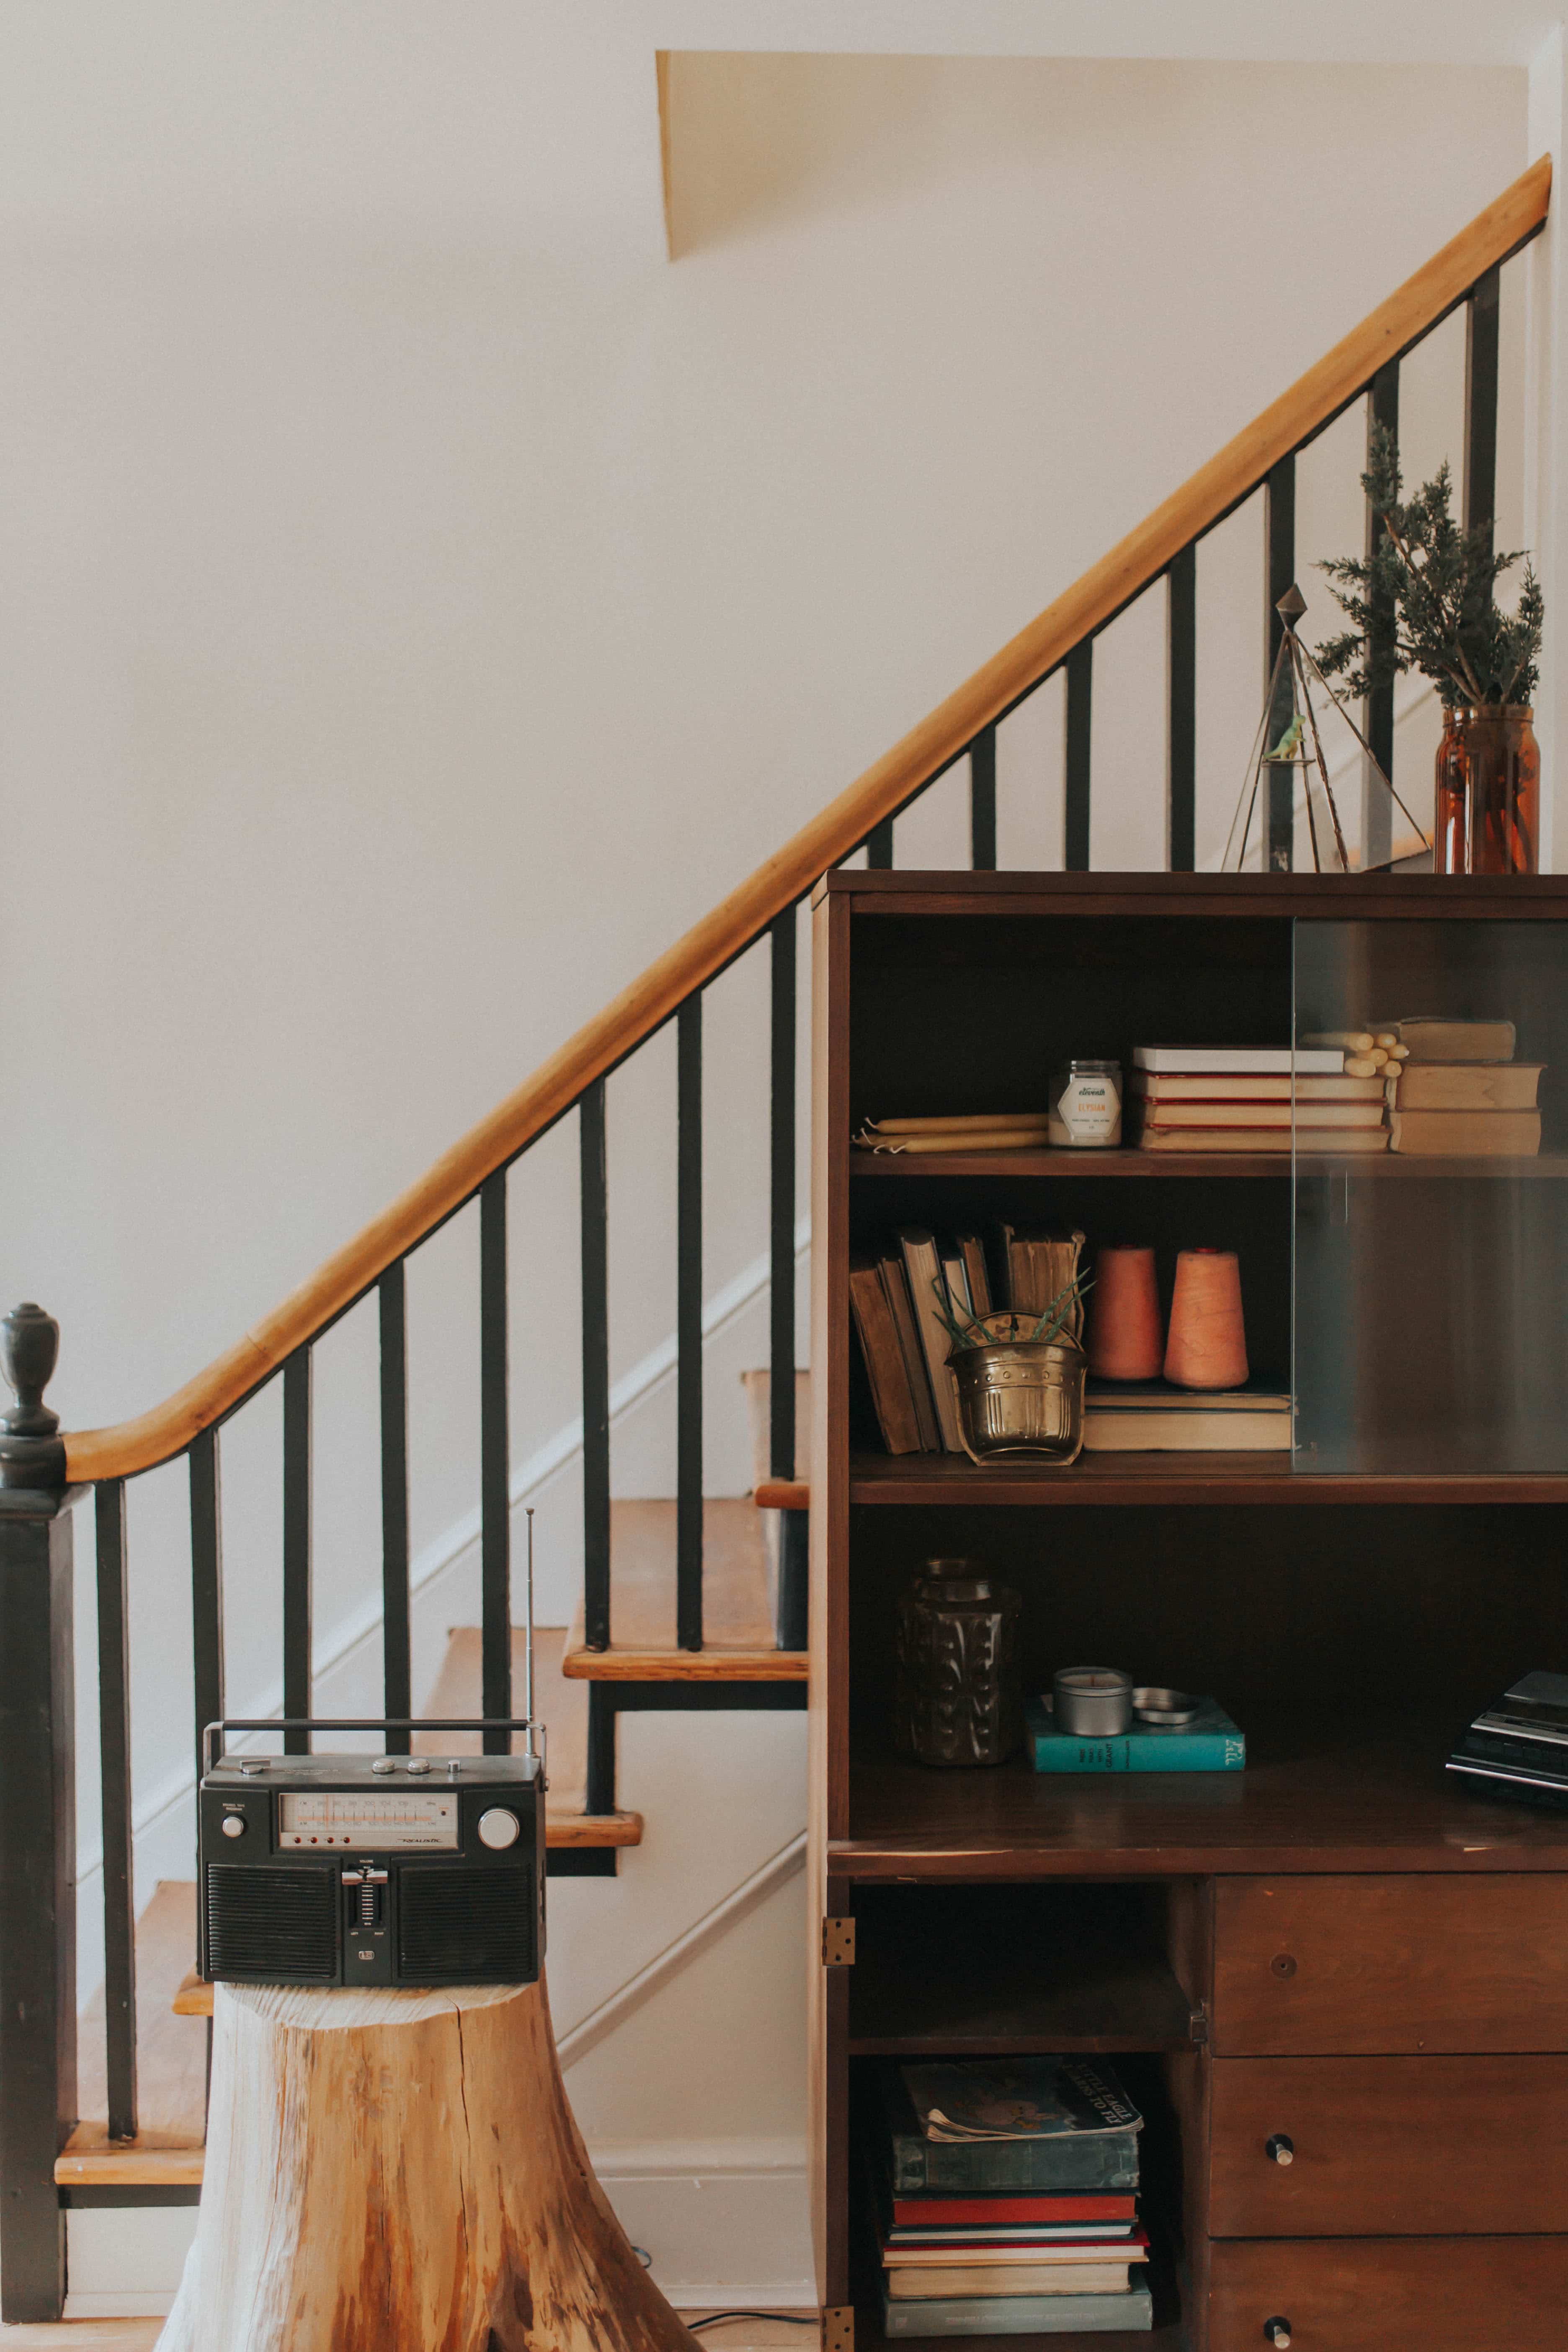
x=838 y=1943
x=1198 y=2027
x=838 y=2326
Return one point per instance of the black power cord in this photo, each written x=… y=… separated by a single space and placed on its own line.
x=788 y=2318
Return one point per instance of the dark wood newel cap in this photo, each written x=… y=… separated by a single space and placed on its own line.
x=31 y=1452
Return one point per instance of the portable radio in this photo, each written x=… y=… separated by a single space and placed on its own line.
x=371 y=1870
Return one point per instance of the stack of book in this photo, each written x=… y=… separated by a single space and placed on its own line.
x=1005 y=2196
x=1518 y=1748
x=1460 y=1093
x=900 y=1296
x=1252 y=1099
x=1211 y=1742
x=1153 y=1417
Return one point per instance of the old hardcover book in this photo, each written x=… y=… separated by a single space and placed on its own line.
x=1210 y=1743
x=1332 y=1140
x=1466 y=1134
x=1154 y=1087
x=895 y=1282
x=1095 y=2146
x=905 y=2284
x=1058 y=2259
x=971 y=1250
x=978 y=2211
x=1188 y=1429
x=1020 y=2314
x=1263 y=1114
x=1466 y=1086
x=884 y=1356
x=1432 y=1040
x=1240 y=1061
x=1040 y=1266
x=928 y=1288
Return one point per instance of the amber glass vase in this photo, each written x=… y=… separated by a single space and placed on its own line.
x=1501 y=766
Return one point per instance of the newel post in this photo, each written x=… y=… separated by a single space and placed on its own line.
x=38 y=1826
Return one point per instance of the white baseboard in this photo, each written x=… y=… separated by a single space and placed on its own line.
x=727 y=2223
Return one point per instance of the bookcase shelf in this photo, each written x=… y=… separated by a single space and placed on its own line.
x=1326 y=1797
x=1001 y=1973
x=1067 y=1166
x=1158 y=1919
x=913 y=1480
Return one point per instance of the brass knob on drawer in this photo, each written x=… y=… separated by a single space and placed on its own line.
x=1277 y=2331
x=1280 y=2147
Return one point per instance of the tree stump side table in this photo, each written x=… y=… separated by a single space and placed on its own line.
x=391 y=2172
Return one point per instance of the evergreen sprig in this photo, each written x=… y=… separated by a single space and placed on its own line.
x=977 y=1335
x=1425 y=598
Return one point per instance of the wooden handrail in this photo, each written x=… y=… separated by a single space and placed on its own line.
x=1131 y=565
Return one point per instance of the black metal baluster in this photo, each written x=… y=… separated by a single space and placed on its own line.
x=789 y=1600
x=1182 y=777
x=206 y=1584
x=595 y=1197
x=1079 y=706
x=879 y=843
x=689 y=1326
x=1481 y=326
x=1280 y=527
x=983 y=801
x=599 y=1793
x=298 y=1384
x=495 y=1470
x=114 y=1773
x=1377 y=820
x=397 y=1670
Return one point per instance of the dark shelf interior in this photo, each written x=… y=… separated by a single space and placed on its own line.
x=991 y=1971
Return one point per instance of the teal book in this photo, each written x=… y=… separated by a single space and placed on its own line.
x=1210 y=1743
x=1020 y=2314
x=1069 y=2125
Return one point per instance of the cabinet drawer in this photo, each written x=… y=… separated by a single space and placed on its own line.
x=1380 y=2147
x=1391 y=2295
x=1407 y=1963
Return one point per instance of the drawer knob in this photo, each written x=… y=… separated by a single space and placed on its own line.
x=1281 y=2146
x=1283 y=1966
x=1277 y=2331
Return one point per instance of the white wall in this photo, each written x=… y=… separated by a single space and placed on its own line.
x=419 y=600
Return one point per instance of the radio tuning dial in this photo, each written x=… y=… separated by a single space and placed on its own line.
x=384 y=1764
x=498 y=1829
x=233 y=1826
x=420 y=1764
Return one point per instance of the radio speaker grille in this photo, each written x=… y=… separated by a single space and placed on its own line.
x=466 y=1926
x=278 y=1925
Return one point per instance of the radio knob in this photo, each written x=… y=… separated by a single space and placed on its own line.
x=384 y=1764
x=498 y=1829
x=233 y=1826
x=420 y=1764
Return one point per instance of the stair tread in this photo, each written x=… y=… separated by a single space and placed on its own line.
x=672 y=1665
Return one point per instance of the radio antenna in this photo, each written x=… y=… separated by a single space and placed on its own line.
x=531 y=1750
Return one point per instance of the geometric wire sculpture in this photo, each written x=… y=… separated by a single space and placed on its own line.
x=1289 y=738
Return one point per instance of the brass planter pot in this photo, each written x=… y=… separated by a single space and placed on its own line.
x=1020 y=1397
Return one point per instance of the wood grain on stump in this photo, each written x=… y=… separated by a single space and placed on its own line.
x=400 y=2173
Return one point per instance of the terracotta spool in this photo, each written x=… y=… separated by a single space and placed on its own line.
x=1123 y=1340
x=1207 y=1344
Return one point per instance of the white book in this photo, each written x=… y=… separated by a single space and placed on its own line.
x=1259 y=1061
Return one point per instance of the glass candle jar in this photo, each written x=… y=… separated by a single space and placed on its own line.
x=957 y=1697
x=1085 y=1108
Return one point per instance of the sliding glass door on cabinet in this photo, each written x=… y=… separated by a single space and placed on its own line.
x=1430 y=1251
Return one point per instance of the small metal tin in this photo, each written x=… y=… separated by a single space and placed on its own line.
x=1092 y=1702
x=1152 y=1703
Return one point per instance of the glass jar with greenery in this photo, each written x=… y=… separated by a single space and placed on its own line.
x=1425 y=599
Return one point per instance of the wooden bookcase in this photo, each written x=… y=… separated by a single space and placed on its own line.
x=1338 y=1945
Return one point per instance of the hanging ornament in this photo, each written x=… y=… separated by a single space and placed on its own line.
x=1287 y=774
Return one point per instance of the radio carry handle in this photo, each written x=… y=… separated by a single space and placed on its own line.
x=368 y=1723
